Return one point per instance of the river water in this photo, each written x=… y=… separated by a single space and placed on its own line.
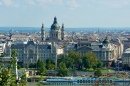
x=37 y=84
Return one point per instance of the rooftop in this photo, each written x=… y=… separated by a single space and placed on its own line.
x=127 y=50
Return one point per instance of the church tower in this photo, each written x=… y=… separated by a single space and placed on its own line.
x=62 y=32
x=55 y=32
x=42 y=33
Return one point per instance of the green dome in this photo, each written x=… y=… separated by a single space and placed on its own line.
x=106 y=41
x=55 y=25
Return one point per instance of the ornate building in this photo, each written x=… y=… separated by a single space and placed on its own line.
x=30 y=51
x=56 y=33
x=105 y=51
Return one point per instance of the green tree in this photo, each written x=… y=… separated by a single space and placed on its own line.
x=14 y=53
x=98 y=73
x=75 y=56
x=69 y=62
x=89 y=60
x=99 y=64
x=41 y=67
x=80 y=64
x=13 y=67
x=4 y=76
x=23 y=80
x=62 y=70
x=50 y=64
x=32 y=65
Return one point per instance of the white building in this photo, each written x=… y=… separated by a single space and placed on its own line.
x=2 y=48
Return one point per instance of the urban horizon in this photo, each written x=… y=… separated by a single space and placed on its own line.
x=73 y=13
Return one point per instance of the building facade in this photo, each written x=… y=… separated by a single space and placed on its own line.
x=126 y=57
x=30 y=51
x=105 y=51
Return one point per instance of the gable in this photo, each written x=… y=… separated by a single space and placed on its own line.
x=86 y=48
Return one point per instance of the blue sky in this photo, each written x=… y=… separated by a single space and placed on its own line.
x=73 y=13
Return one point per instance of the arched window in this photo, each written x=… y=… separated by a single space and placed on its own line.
x=30 y=54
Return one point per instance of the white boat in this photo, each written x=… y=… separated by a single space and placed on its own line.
x=76 y=81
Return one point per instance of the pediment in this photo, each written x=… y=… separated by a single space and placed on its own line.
x=85 y=48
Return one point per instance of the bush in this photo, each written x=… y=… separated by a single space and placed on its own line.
x=98 y=73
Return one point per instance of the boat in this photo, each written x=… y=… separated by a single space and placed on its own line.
x=123 y=82
x=76 y=81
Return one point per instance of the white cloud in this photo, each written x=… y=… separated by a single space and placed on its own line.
x=111 y=3
x=73 y=4
x=7 y=2
x=44 y=2
x=115 y=3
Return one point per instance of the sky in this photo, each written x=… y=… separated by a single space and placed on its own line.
x=73 y=13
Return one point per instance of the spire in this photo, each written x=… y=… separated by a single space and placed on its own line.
x=62 y=26
x=55 y=19
x=42 y=25
x=42 y=33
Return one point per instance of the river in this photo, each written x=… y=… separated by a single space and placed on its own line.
x=37 y=84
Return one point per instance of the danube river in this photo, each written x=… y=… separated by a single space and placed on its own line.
x=37 y=84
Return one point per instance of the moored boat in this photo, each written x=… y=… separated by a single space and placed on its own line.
x=76 y=81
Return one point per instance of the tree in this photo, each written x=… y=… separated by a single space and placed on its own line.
x=14 y=53
x=50 y=64
x=4 y=76
x=32 y=65
x=13 y=67
x=99 y=64
x=86 y=62
x=62 y=70
x=8 y=74
x=69 y=62
x=41 y=67
x=98 y=73
x=89 y=60
x=23 y=80
x=75 y=56
x=80 y=64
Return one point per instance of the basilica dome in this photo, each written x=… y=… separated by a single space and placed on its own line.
x=55 y=25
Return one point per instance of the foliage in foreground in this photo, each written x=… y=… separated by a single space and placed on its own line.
x=98 y=73
x=8 y=74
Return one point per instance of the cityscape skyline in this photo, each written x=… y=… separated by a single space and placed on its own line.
x=73 y=13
